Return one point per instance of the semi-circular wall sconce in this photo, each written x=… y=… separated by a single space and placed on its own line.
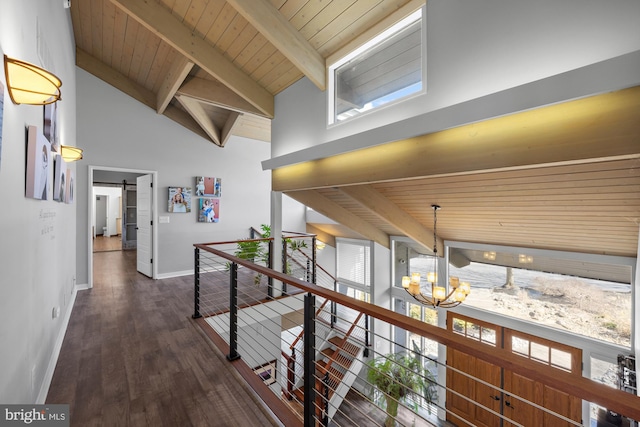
x=70 y=154
x=30 y=84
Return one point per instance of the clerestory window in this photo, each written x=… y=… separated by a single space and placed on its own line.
x=387 y=69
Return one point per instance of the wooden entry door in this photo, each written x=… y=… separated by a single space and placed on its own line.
x=463 y=389
x=511 y=403
x=551 y=356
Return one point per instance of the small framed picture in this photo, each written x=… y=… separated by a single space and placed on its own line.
x=209 y=210
x=208 y=186
x=179 y=199
x=267 y=372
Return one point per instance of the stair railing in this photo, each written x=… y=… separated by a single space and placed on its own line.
x=217 y=264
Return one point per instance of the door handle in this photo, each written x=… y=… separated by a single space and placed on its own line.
x=494 y=397
x=508 y=404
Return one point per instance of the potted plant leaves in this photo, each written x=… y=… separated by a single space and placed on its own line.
x=399 y=376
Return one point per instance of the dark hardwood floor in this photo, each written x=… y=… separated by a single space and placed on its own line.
x=133 y=357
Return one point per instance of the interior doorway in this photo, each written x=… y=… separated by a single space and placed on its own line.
x=112 y=214
x=107 y=217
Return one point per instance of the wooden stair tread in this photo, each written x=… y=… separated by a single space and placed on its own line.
x=347 y=346
x=321 y=369
x=340 y=359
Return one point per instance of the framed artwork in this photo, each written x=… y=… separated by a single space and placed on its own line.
x=60 y=180
x=70 y=187
x=267 y=372
x=39 y=165
x=179 y=199
x=208 y=186
x=209 y=210
x=50 y=126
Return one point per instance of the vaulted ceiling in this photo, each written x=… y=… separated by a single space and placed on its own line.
x=563 y=179
x=214 y=66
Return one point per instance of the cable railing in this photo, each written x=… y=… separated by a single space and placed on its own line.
x=309 y=354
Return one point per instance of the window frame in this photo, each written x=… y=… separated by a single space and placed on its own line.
x=372 y=42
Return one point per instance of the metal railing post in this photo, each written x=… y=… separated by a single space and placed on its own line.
x=270 y=261
x=233 y=314
x=334 y=306
x=284 y=264
x=325 y=406
x=367 y=344
x=291 y=374
x=314 y=259
x=196 y=284
x=309 y=359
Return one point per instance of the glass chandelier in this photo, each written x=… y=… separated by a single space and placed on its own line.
x=440 y=295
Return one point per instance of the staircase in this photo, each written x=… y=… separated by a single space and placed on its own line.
x=338 y=362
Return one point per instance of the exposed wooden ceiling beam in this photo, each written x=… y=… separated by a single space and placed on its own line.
x=215 y=93
x=181 y=117
x=601 y=127
x=175 y=77
x=395 y=216
x=200 y=115
x=134 y=90
x=321 y=235
x=253 y=127
x=284 y=36
x=339 y=214
x=161 y=22
x=229 y=125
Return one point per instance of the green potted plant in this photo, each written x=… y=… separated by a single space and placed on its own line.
x=257 y=251
x=398 y=376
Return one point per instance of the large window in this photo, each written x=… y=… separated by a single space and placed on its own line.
x=354 y=262
x=388 y=68
x=583 y=295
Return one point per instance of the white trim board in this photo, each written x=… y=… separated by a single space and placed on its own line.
x=53 y=361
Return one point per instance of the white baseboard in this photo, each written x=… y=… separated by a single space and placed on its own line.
x=53 y=361
x=175 y=274
x=83 y=287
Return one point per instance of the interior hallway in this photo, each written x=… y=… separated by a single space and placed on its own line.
x=132 y=357
x=104 y=244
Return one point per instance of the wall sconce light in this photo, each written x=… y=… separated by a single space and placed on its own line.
x=320 y=245
x=70 y=154
x=29 y=84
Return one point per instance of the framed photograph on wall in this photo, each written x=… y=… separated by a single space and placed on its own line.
x=39 y=165
x=60 y=180
x=50 y=125
x=209 y=210
x=71 y=186
x=267 y=372
x=179 y=199
x=208 y=186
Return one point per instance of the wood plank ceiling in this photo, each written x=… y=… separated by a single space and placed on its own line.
x=564 y=177
x=214 y=66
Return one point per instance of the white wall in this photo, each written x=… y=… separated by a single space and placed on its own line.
x=37 y=250
x=485 y=58
x=117 y=131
